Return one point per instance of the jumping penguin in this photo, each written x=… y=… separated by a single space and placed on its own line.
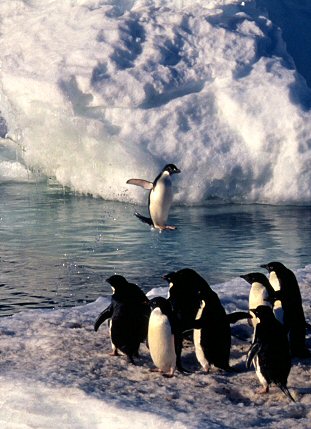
x=286 y=286
x=128 y=313
x=161 y=336
x=160 y=197
x=269 y=351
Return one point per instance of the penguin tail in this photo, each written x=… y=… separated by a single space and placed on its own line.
x=144 y=219
x=286 y=391
x=238 y=315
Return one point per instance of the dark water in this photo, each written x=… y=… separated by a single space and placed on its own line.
x=57 y=248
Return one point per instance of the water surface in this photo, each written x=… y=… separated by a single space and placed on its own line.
x=57 y=248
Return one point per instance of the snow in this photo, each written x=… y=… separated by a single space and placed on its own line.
x=95 y=92
x=57 y=372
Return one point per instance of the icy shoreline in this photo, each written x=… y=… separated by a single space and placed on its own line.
x=56 y=372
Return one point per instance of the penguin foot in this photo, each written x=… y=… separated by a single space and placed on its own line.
x=166 y=227
x=114 y=353
x=263 y=390
x=167 y=375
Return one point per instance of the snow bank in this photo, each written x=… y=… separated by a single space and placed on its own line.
x=95 y=92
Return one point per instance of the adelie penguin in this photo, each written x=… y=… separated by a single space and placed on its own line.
x=160 y=197
x=287 y=289
x=262 y=293
x=128 y=316
x=269 y=351
x=161 y=336
x=198 y=307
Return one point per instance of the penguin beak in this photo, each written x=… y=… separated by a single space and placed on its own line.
x=265 y=266
x=168 y=277
x=177 y=170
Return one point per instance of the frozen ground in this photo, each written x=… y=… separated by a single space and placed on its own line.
x=56 y=372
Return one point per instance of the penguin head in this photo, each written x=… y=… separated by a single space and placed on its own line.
x=260 y=278
x=117 y=282
x=161 y=303
x=255 y=277
x=120 y=287
x=264 y=313
x=277 y=267
x=187 y=283
x=123 y=290
x=171 y=169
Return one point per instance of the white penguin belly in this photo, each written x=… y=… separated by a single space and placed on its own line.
x=161 y=341
x=259 y=374
x=161 y=198
x=199 y=352
x=274 y=281
x=277 y=306
x=258 y=295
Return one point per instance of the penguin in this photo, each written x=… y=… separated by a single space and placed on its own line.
x=128 y=313
x=197 y=307
x=212 y=334
x=269 y=351
x=161 y=336
x=160 y=197
x=261 y=293
x=286 y=286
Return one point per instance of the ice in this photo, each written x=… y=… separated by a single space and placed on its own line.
x=96 y=92
x=57 y=372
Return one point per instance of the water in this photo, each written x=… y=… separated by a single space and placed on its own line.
x=57 y=248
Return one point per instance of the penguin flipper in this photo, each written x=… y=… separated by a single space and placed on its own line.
x=106 y=314
x=144 y=219
x=238 y=315
x=253 y=351
x=140 y=182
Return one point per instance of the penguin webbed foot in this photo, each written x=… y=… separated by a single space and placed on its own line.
x=114 y=353
x=262 y=390
x=167 y=228
x=168 y=374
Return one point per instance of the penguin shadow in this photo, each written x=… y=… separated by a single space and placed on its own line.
x=303 y=390
x=232 y=394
